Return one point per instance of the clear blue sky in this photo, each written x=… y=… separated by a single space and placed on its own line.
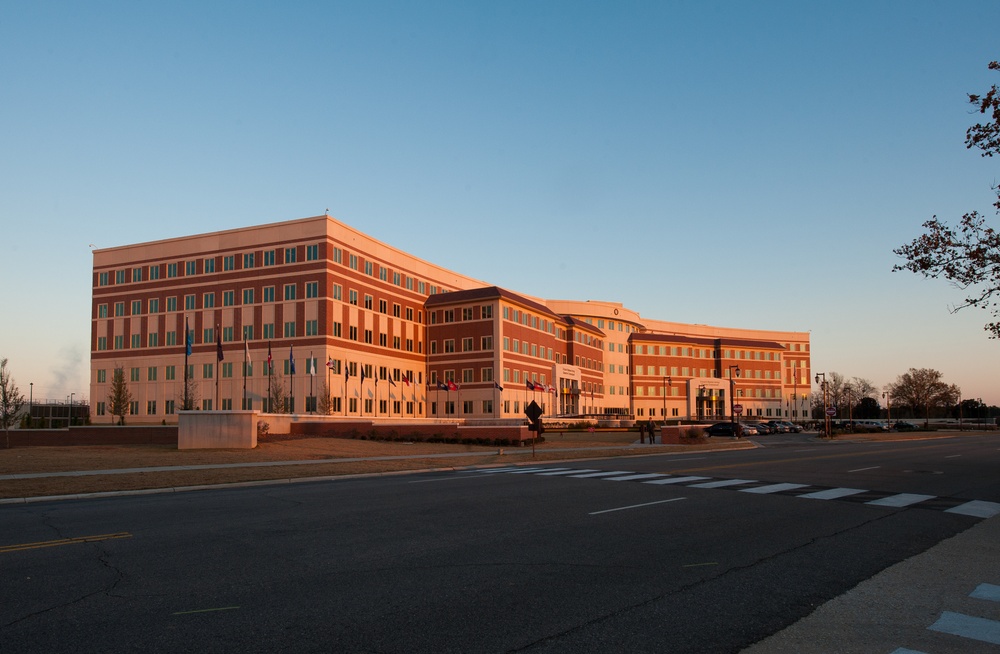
x=746 y=164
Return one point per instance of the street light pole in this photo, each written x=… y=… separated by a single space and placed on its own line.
x=733 y=370
x=826 y=416
x=888 y=410
x=70 y=408
x=31 y=404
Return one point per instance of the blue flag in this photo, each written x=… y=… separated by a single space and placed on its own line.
x=291 y=358
x=188 y=338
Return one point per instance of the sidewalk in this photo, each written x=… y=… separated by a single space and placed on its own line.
x=943 y=601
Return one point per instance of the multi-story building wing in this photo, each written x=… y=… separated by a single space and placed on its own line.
x=318 y=317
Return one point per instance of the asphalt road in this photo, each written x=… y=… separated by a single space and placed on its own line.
x=553 y=558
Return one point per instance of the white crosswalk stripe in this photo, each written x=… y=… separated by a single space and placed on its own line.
x=901 y=500
x=772 y=488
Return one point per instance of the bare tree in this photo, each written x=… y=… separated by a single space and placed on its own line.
x=189 y=394
x=923 y=389
x=11 y=400
x=119 y=395
x=323 y=402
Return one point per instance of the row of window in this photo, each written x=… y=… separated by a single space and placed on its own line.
x=667 y=350
x=467 y=314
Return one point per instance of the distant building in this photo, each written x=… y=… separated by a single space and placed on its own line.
x=364 y=329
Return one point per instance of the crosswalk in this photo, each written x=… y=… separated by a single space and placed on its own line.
x=967 y=627
x=969 y=507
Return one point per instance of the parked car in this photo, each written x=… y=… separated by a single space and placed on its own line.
x=760 y=427
x=731 y=429
x=903 y=426
x=777 y=426
x=792 y=427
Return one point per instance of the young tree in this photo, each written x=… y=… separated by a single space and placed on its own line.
x=119 y=395
x=324 y=405
x=11 y=400
x=923 y=389
x=276 y=401
x=967 y=256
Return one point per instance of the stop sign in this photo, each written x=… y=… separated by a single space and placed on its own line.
x=737 y=408
x=831 y=411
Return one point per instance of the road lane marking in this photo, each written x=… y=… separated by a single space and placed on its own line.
x=956 y=624
x=832 y=493
x=863 y=469
x=636 y=506
x=986 y=592
x=221 y=608
x=565 y=471
x=606 y=473
x=900 y=500
x=647 y=475
x=976 y=509
x=63 y=541
x=953 y=456
x=773 y=488
x=722 y=483
x=675 y=480
x=699 y=565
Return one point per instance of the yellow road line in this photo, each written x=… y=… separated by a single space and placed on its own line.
x=63 y=541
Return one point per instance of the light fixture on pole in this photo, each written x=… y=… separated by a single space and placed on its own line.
x=888 y=410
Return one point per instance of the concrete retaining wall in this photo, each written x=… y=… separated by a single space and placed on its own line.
x=93 y=435
x=217 y=430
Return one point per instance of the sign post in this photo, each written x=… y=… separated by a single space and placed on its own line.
x=534 y=413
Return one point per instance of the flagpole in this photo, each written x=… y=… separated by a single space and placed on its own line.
x=187 y=351
x=291 y=388
x=246 y=360
x=312 y=375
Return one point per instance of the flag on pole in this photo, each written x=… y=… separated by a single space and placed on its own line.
x=452 y=386
x=391 y=382
x=246 y=354
x=188 y=338
x=498 y=386
x=406 y=379
x=218 y=343
x=329 y=363
x=442 y=386
x=362 y=374
x=530 y=386
x=291 y=358
x=311 y=365
x=269 y=356
x=347 y=371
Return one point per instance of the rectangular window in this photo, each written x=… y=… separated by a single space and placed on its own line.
x=269 y=257
x=312 y=289
x=171 y=304
x=190 y=268
x=208 y=301
x=368 y=336
x=248 y=260
x=154 y=305
x=170 y=373
x=247 y=332
x=338 y=255
x=229 y=263
x=383 y=306
x=369 y=269
x=467 y=344
x=151 y=373
x=102 y=279
x=290 y=255
x=154 y=339
x=269 y=294
x=171 y=270
x=227 y=369
x=289 y=291
x=102 y=376
x=119 y=277
x=352 y=261
x=312 y=252
x=137 y=274
x=337 y=330
x=102 y=342
x=207 y=371
x=395 y=310
x=135 y=341
x=227 y=334
x=210 y=265
x=449 y=345
x=154 y=272
x=312 y=327
x=338 y=292
x=352 y=297
x=467 y=313
x=368 y=301
x=188 y=302
x=102 y=311
x=228 y=298
x=268 y=330
x=486 y=311
x=209 y=335
x=290 y=329
x=134 y=374
x=119 y=308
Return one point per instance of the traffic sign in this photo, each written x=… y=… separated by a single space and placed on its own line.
x=737 y=409
x=533 y=411
x=831 y=411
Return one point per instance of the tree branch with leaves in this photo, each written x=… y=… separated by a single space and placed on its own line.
x=968 y=255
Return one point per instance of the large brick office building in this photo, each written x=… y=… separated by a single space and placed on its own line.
x=389 y=335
